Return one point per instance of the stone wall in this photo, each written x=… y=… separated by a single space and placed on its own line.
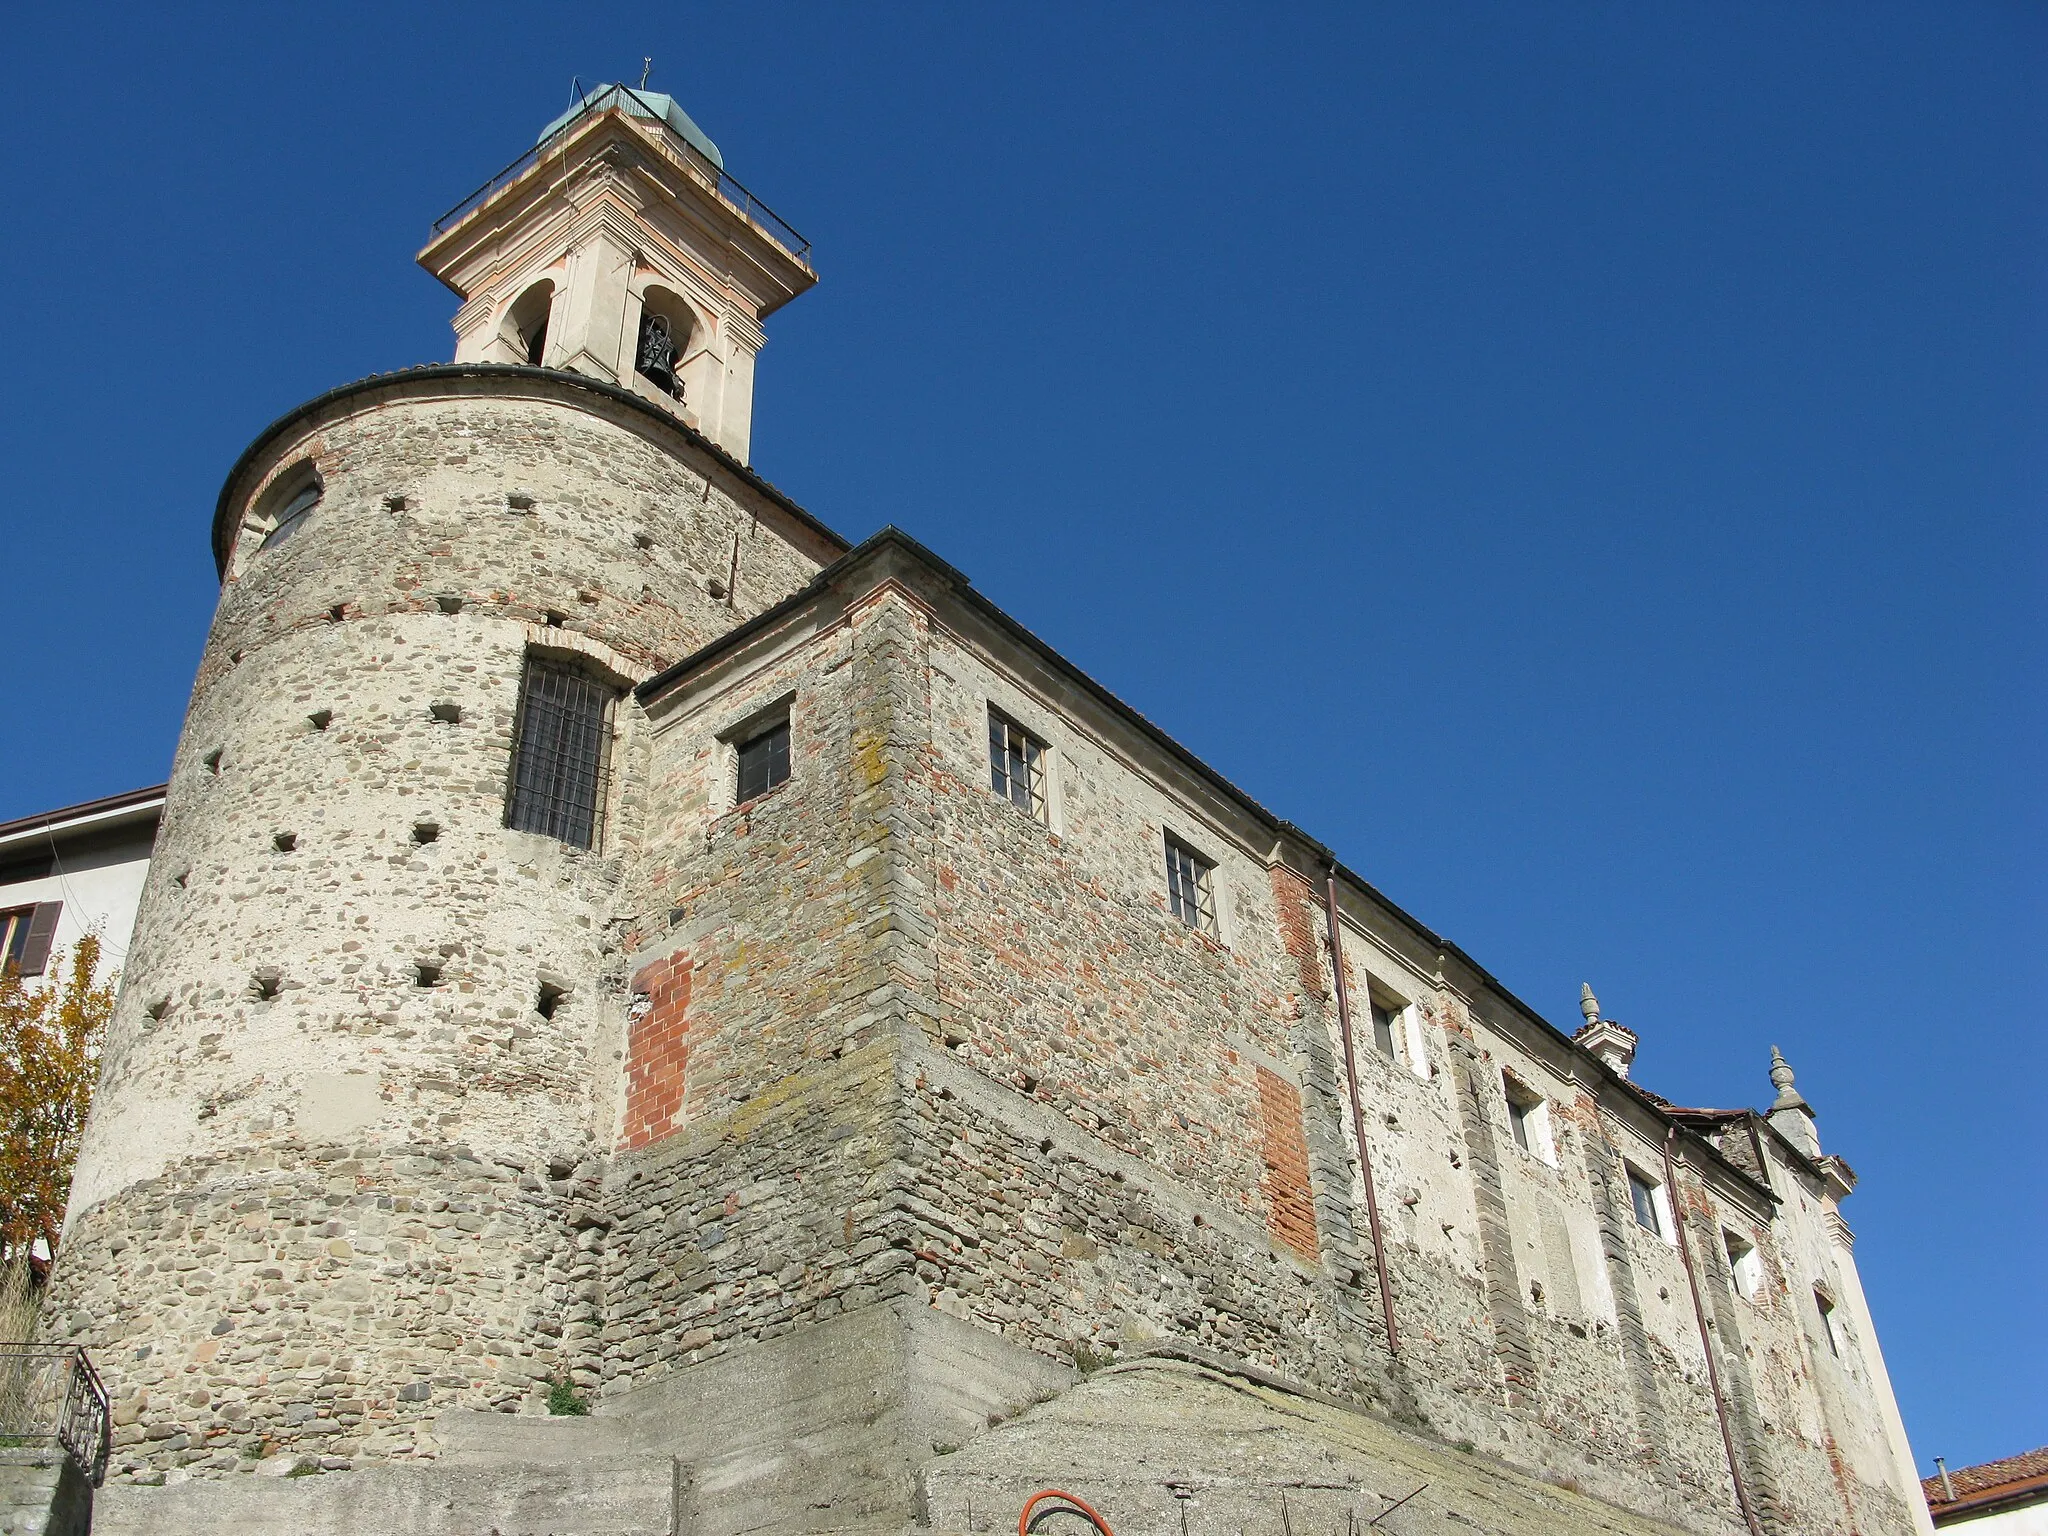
x=1122 y=1129
x=335 y=1175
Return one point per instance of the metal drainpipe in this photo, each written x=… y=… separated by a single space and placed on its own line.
x=1699 y=1312
x=1372 y=1201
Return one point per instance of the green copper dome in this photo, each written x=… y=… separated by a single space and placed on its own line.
x=654 y=104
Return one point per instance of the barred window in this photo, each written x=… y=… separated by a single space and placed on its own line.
x=1189 y=887
x=1016 y=765
x=560 y=753
x=763 y=761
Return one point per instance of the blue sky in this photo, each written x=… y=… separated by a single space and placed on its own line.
x=1583 y=461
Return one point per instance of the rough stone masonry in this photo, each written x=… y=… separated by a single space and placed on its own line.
x=877 y=1148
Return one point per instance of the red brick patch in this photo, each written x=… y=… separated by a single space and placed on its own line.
x=1294 y=899
x=1290 y=1207
x=657 y=1053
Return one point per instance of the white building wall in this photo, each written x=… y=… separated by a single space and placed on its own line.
x=94 y=865
x=2030 y=1521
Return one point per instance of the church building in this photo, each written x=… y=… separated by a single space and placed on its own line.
x=645 y=1018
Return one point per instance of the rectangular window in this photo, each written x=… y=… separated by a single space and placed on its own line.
x=1190 y=888
x=1743 y=1264
x=561 y=750
x=763 y=761
x=1518 y=1122
x=1827 y=1321
x=14 y=935
x=1016 y=765
x=1642 y=1195
x=25 y=937
x=1385 y=1021
x=1529 y=1120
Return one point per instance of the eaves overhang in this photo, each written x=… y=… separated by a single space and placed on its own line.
x=2022 y=1493
x=602 y=136
x=891 y=548
x=433 y=378
x=89 y=816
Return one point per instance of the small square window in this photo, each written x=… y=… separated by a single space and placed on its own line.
x=1386 y=1021
x=763 y=761
x=1743 y=1264
x=1016 y=765
x=1643 y=1196
x=1190 y=886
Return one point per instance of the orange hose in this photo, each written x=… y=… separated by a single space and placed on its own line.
x=1024 y=1519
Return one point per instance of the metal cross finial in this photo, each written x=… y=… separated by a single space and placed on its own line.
x=646 y=67
x=1589 y=1005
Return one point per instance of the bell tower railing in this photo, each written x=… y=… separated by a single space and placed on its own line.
x=729 y=189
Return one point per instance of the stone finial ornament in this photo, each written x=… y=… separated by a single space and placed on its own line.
x=1611 y=1042
x=1781 y=1078
x=1789 y=1113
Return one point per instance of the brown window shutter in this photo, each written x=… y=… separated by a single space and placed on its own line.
x=42 y=930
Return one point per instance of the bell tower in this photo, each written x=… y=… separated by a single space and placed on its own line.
x=619 y=248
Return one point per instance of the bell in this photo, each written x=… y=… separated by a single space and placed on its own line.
x=657 y=357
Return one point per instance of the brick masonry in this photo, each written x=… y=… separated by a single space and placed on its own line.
x=1290 y=1209
x=657 y=1052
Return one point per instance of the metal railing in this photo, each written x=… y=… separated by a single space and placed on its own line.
x=50 y=1394
x=728 y=188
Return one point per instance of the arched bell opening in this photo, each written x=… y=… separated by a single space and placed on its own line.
x=667 y=328
x=524 y=330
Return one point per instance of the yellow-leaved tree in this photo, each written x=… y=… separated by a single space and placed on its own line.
x=50 y=1034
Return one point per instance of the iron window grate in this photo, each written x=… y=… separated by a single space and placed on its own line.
x=1016 y=765
x=561 y=754
x=1189 y=887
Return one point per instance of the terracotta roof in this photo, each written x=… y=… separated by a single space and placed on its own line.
x=1991 y=1482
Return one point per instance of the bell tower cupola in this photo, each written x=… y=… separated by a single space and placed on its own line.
x=619 y=248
